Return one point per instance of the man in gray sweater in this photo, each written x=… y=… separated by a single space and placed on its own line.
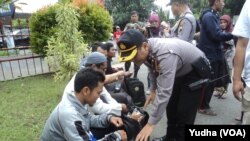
x=71 y=121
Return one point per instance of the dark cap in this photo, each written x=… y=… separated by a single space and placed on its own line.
x=179 y=1
x=128 y=43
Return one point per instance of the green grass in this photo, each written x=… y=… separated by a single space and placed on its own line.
x=3 y=53
x=9 y=53
x=25 y=104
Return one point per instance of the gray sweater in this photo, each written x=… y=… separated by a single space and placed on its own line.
x=71 y=121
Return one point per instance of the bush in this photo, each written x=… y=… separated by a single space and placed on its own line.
x=19 y=23
x=94 y=22
x=67 y=47
x=42 y=26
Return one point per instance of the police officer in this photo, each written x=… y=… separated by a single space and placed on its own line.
x=171 y=63
x=186 y=25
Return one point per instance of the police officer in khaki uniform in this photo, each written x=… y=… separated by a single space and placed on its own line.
x=186 y=25
x=171 y=63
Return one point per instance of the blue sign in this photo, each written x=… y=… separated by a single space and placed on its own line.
x=7 y=10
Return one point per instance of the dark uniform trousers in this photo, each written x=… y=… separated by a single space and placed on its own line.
x=182 y=106
x=207 y=94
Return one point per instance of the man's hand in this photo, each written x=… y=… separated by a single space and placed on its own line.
x=238 y=89
x=127 y=74
x=136 y=115
x=150 y=99
x=122 y=74
x=117 y=121
x=123 y=135
x=239 y=59
x=145 y=133
x=124 y=108
x=118 y=69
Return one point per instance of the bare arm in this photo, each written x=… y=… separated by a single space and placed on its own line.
x=239 y=59
x=116 y=76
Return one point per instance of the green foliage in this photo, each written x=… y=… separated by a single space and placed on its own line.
x=64 y=1
x=4 y=2
x=42 y=26
x=26 y=105
x=95 y=23
x=3 y=53
x=9 y=52
x=163 y=15
x=120 y=10
x=19 y=23
x=232 y=7
x=66 y=47
x=197 y=6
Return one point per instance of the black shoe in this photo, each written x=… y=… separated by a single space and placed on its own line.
x=160 y=139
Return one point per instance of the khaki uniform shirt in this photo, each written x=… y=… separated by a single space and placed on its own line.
x=185 y=27
x=174 y=57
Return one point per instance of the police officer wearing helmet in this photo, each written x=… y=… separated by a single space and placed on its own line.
x=173 y=67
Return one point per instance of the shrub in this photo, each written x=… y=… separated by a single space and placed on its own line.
x=66 y=48
x=42 y=26
x=19 y=23
x=94 y=22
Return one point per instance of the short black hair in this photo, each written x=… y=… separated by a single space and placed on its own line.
x=134 y=12
x=98 y=44
x=211 y=2
x=88 y=77
x=109 y=45
x=180 y=1
x=97 y=65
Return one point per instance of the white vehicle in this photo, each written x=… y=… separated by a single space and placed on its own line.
x=21 y=33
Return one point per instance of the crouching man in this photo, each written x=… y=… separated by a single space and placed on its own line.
x=71 y=121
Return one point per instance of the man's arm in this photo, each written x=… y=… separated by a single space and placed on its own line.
x=73 y=126
x=152 y=80
x=126 y=27
x=239 y=59
x=77 y=131
x=116 y=76
x=214 y=30
x=101 y=108
x=165 y=81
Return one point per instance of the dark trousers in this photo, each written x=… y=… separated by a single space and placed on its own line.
x=101 y=132
x=182 y=107
x=121 y=96
x=208 y=92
